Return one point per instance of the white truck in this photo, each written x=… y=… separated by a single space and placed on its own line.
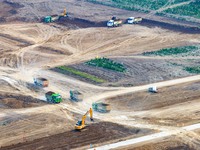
x=153 y=89
x=132 y=20
x=114 y=22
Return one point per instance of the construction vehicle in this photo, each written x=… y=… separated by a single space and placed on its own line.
x=114 y=22
x=64 y=14
x=53 y=97
x=81 y=123
x=153 y=89
x=47 y=19
x=101 y=107
x=51 y=18
x=54 y=18
x=132 y=20
x=41 y=82
x=76 y=95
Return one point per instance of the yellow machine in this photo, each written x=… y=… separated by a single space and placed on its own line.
x=64 y=14
x=81 y=123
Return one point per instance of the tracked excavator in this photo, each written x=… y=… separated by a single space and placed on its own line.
x=81 y=123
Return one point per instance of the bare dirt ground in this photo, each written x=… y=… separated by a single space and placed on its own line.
x=156 y=108
x=173 y=143
x=32 y=49
x=94 y=134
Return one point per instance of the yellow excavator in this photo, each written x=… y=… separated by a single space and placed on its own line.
x=64 y=14
x=81 y=123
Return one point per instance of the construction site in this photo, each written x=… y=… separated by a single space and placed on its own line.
x=80 y=75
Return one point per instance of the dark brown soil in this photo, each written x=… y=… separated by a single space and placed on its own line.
x=22 y=42
x=95 y=134
x=50 y=50
x=18 y=101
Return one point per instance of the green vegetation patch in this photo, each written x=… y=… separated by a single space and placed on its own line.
x=192 y=10
x=195 y=70
x=81 y=74
x=138 y=5
x=172 y=51
x=107 y=64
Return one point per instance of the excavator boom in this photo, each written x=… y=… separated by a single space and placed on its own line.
x=81 y=124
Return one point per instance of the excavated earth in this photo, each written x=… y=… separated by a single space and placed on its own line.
x=94 y=134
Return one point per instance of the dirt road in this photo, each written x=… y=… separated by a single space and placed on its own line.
x=31 y=49
x=146 y=138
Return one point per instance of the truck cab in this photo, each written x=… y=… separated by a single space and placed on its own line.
x=57 y=98
x=53 y=97
x=110 y=23
x=130 y=20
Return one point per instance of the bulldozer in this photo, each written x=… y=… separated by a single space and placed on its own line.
x=81 y=123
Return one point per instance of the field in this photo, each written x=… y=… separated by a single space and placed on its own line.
x=191 y=9
x=178 y=9
x=140 y=70
x=174 y=51
x=112 y=65
x=136 y=5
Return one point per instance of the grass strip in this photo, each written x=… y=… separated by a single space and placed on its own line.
x=195 y=70
x=82 y=74
x=172 y=51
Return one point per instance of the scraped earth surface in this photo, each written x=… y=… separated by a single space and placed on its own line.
x=94 y=134
x=31 y=50
x=173 y=143
x=18 y=101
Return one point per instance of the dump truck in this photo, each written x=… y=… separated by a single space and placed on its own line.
x=101 y=107
x=153 y=89
x=132 y=20
x=53 y=97
x=41 y=82
x=81 y=123
x=76 y=95
x=114 y=22
x=47 y=19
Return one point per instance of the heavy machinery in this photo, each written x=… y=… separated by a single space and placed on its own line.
x=76 y=95
x=114 y=22
x=41 y=82
x=47 y=19
x=64 y=14
x=81 y=123
x=132 y=20
x=53 y=97
x=101 y=107
x=54 y=18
